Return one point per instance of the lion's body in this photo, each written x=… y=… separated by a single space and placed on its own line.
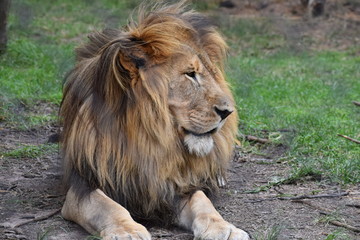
x=136 y=127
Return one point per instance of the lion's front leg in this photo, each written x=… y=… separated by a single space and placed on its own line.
x=99 y=214
x=200 y=216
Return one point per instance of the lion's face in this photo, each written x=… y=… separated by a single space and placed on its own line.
x=197 y=101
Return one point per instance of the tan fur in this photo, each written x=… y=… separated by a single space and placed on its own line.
x=100 y=215
x=129 y=108
x=200 y=216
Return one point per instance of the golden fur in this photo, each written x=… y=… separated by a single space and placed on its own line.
x=121 y=121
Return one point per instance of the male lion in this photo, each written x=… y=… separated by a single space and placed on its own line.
x=147 y=127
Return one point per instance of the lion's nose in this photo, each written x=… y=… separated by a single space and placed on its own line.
x=223 y=111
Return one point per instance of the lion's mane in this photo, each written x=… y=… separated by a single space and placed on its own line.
x=118 y=133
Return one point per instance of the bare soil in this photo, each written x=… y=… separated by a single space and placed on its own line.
x=31 y=188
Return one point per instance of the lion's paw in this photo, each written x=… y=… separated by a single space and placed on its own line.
x=132 y=231
x=215 y=228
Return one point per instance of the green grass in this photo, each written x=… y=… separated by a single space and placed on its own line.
x=31 y=151
x=93 y=238
x=310 y=96
x=44 y=235
x=42 y=37
x=298 y=98
x=337 y=235
x=29 y=71
x=270 y=234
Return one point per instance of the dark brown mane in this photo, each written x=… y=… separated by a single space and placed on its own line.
x=118 y=132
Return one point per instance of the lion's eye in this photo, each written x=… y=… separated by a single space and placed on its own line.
x=191 y=75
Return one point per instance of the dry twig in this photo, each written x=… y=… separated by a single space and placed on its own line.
x=301 y=197
x=326 y=211
x=349 y=138
x=353 y=205
x=256 y=139
x=315 y=196
x=35 y=219
x=356 y=103
x=169 y=235
x=344 y=225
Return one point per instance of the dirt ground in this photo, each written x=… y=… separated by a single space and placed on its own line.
x=30 y=188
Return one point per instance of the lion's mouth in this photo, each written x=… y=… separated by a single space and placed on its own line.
x=199 y=144
x=212 y=131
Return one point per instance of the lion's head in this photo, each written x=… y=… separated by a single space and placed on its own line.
x=147 y=115
x=197 y=100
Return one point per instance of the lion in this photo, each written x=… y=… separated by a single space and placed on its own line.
x=149 y=124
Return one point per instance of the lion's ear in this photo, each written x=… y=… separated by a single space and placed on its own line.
x=132 y=57
x=118 y=57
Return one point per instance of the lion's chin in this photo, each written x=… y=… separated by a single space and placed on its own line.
x=199 y=145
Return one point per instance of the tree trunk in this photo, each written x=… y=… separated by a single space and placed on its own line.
x=4 y=9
